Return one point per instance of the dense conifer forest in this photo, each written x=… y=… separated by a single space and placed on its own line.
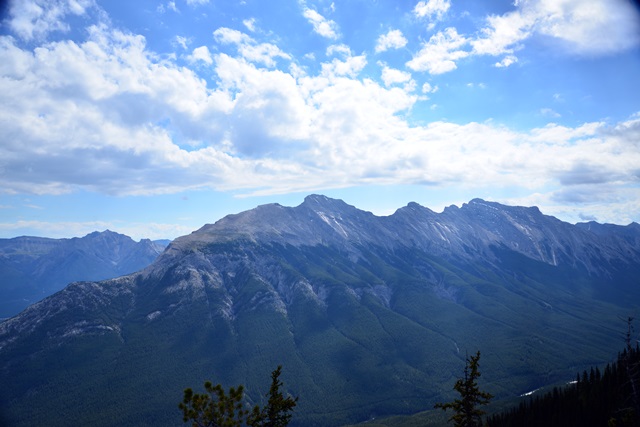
x=596 y=398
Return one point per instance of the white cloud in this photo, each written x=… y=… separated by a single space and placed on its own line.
x=350 y=67
x=250 y=24
x=146 y=125
x=340 y=49
x=259 y=127
x=97 y=103
x=392 y=40
x=35 y=19
x=265 y=53
x=201 y=54
x=197 y=2
x=502 y=34
x=230 y=36
x=391 y=76
x=324 y=27
x=181 y=41
x=431 y=8
x=427 y=88
x=506 y=61
x=594 y=27
x=440 y=53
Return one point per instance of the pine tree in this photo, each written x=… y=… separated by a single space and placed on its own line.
x=214 y=408
x=277 y=413
x=466 y=411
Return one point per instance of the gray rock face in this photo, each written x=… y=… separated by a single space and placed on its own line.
x=466 y=232
x=32 y=268
x=369 y=315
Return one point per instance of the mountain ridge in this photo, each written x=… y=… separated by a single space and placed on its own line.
x=433 y=227
x=35 y=267
x=368 y=315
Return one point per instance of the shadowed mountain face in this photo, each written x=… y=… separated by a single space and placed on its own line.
x=32 y=268
x=369 y=316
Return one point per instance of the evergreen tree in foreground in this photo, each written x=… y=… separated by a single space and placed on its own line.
x=466 y=412
x=217 y=409
x=277 y=413
x=214 y=408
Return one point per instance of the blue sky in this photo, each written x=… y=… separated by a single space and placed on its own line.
x=152 y=118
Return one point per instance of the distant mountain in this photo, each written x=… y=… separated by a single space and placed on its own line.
x=369 y=316
x=32 y=268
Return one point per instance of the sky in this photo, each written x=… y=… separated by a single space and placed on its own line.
x=152 y=118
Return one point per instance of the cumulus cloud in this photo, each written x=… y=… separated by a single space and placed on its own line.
x=596 y=27
x=230 y=36
x=503 y=33
x=351 y=66
x=201 y=54
x=108 y=115
x=394 y=39
x=35 y=19
x=440 y=53
x=391 y=76
x=431 y=8
x=339 y=49
x=322 y=26
x=134 y=119
x=265 y=53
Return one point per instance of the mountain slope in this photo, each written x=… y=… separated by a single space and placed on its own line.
x=368 y=315
x=35 y=267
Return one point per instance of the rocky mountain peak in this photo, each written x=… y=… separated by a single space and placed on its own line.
x=318 y=201
x=34 y=267
x=471 y=230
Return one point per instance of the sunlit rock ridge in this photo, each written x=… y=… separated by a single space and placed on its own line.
x=463 y=232
x=369 y=315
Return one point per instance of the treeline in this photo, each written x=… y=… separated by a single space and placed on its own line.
x=608 y=398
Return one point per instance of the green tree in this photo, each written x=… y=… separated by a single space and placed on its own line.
x=466 y=411
x=215 y=408
x=278 y=411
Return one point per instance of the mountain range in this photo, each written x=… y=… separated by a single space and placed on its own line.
x=32 y=268
x=369 y=315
